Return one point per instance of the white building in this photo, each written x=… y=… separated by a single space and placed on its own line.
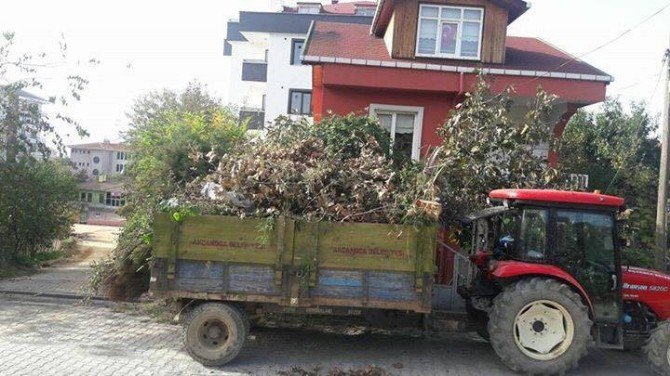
x=267 y=77
x=100 y=158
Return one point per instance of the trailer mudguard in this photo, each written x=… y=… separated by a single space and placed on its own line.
x=516 y=269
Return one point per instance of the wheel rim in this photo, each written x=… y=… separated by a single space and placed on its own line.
x=213 y=334
x=544 y=330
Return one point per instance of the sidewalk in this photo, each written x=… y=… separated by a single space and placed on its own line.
x=95 y=243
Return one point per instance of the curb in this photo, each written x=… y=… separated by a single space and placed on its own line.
x=47 y=296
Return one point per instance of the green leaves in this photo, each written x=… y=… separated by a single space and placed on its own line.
x=35 y=206
x=619 y=150
x=488 y=145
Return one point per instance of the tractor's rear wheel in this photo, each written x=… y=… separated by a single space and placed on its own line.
x=214 y=333
x=539 y=326
x=658 y=349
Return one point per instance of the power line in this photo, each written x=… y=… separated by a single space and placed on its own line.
x=598 y=48
x=633 y=150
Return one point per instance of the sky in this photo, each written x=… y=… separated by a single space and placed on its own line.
x=146 y=45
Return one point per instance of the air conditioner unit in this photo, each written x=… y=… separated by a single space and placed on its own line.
x=581 y=180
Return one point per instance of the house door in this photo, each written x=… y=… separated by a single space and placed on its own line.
x=404 y=126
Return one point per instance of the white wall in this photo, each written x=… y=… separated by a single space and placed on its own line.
x=283 y=76
x=105 y=166
x=245 y=93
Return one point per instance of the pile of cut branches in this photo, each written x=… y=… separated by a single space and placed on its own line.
x=338 y=170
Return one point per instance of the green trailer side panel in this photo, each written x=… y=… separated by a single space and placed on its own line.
x=367 y=246
x=217 y=238
x=297 y=263
x=370 y=246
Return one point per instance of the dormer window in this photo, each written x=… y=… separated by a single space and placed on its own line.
x=450 y=32
x=309 y=8
x=365 y=11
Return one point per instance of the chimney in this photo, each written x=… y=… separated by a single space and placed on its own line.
x=334 y=1
x=105 y=141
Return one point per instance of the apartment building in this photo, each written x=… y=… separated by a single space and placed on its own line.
x=100 y=158
x=267 y=76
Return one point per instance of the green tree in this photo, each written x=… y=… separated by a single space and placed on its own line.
x=35 y=193
x=25 y=129
x=175 y=138
x=35 y=206
x=484 y=148
x=620 y=153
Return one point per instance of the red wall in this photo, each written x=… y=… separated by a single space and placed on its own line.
x=574 y=91
x=343 y=89
x=436 y=106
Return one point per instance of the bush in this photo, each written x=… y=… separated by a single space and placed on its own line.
x=174 y=138
x=35 y=207
x=640 y=257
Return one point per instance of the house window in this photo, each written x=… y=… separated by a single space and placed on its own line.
x=300 y=102
x=95 y=172
x=120 y=155
x=296 y=51
x=96 y=159
x=89 y=197
x=82 y=196
x=365 y=11
x=313 y=8
x=450 y=32
x=404 y=126
x=119 y=168
x=112 y=199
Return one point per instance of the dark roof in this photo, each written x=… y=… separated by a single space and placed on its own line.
x=106 y=146
x=329 y=40
x=293 y=23
x=515 y=9
x=25 y=95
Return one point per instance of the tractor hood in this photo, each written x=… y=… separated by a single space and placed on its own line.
x=649 y=287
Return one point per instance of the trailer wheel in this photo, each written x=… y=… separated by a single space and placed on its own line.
x=539 y=326
x=214 y=333
x=658 y=349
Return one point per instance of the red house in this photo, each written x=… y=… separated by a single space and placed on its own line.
x=419 y=57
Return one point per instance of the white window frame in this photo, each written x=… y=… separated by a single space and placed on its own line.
x=440 y=21
x=418 y=123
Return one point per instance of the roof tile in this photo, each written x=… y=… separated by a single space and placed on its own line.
x=354 y=41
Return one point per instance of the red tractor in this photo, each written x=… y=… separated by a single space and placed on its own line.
x=550 y=282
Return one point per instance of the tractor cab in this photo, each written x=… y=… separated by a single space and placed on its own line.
x=569 y=238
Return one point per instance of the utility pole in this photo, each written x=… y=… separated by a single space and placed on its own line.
x=662 y=204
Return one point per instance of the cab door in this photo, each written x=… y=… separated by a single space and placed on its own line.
x=584 y=243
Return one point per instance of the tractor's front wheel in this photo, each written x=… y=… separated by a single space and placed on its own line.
x=539 y=326
x=658 y=349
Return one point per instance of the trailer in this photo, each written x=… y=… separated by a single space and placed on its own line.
x=257 y=265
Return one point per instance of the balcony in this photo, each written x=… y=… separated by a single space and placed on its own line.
x=255 y=70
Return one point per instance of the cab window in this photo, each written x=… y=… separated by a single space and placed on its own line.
x=585 y=236
x=533 y=234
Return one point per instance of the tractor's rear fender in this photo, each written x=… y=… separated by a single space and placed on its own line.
x=513 y=270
